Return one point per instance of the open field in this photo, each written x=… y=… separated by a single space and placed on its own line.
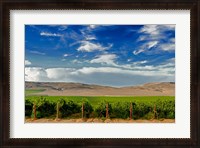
x=33 y=91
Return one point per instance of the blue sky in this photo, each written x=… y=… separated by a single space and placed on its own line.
x=112 y=55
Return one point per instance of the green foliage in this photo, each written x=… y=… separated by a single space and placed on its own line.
x=69 y=107
x=165 y=109
x=44 y=108
x=100 y=111
x=28 y=108
x=141 y=109
x=88 y=109
x=120 y=110
x=95 y=100
x=118 y=107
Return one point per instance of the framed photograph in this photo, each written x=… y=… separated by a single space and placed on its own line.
x=100 y=74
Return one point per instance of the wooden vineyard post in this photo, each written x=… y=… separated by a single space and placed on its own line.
x=131 y=110
x=155 y=113
x=57 y=114
x=107 y=114
x=34 y=110
x=82 y=110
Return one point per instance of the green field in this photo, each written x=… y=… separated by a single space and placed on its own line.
x=111 y=99
x=33 y=91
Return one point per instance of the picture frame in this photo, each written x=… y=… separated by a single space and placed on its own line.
x=7 y=6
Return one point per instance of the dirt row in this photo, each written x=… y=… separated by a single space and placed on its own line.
x=98 y=120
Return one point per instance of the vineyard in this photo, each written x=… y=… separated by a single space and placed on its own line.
x=154 y=107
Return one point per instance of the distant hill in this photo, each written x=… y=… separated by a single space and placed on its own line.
x=79 y=89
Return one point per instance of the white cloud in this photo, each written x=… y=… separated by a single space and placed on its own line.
x=35 y=74
x=89 y=46
x=27 y=62
x=140 y=62
x=76 y=61
x=58 y=73
x=146 y=46
x=149 y=29
x=152 y=36
x=99 y=75
x=65 y=55
x=156 y=30
x=92 y=26
x=50 y=34
x=151 y=44
x=62 y=27
x=167 y=47
x=105 y=59
x=37 y=52
x=136 y=52
x=89 y=37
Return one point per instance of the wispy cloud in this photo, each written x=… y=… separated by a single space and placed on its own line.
x=87 y=46
x=136 y=52
x=105 y=59
x=154 y=31
x=146 y=46
x=66 y=55
x=50 y=34
x=155 y=36
x=75 y=61
x=167 y=47
x=37 y=52
x=62 y=27
x=90 y=37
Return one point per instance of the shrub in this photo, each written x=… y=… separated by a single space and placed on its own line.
x=70 y=107
x=120 y=110
x=88 y=109
x=28 y=108
x=165 y=109
x=100 y=111
x=141 y=109
x=44 y=108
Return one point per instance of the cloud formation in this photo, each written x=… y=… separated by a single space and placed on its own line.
x=102 y=76
x=105 y=59
x=27 y=62
x=37 y=52
x=87 y=46
x=153 y=36
x=115 y=55
x=50 y=34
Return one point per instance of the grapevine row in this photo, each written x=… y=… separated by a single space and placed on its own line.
x=43 y=108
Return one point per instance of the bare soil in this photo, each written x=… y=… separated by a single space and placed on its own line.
x=98 y=120
x=78 y=89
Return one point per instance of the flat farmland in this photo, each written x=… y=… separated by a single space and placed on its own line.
x=95 y=100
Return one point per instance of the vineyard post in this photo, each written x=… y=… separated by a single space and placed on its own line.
x=154 y=110
x=131 y=110
x=107 y=114
x=82 y=110
x=57 y=115
x=34 y=110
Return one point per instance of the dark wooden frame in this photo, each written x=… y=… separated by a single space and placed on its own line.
x=7 y=5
